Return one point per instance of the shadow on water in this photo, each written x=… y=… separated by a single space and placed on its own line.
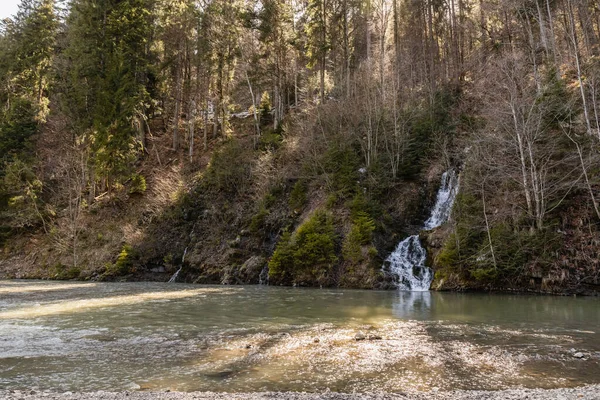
x=187 y=337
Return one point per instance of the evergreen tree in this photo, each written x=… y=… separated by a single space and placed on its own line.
x=107 y=85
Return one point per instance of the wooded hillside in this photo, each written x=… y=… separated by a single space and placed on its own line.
x=305 y=136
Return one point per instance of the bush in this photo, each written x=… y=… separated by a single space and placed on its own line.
x=342 y=166
x=17 y=128
x=361 y=234
x=270 y=140
x=265 y=109
x=308 y=255
x=283 y=257
x=20 y=192
x=124 y=263
x=258 y=219
x=62 y=273
x=298 y=195
x=229 y=170
x=138 y=184
x=516 y=247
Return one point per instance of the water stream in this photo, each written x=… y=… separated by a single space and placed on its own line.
x=176 y=274
x=407 y=263
x=159 y=336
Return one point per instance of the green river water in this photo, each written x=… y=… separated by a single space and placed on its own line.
x=155 y=336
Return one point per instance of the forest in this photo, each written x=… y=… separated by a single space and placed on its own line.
x=298 y=141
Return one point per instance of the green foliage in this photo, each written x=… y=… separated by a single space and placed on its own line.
x=515 y=248
x=318 y=42
x=229 y=170
x=20 y=191
x=431 y=120
x=282 y=260
x=298 y=195
x=264 y=109
x=270 y=140
x=28 y=45
x=64 y=273
x=105 y=82
x=138 y=184
x=341 y=166
x=361 y=232
x=258 y=219
x=17 y=127
x=308 y=255
x=362 y=228
x=124 y=263
x=555 y=100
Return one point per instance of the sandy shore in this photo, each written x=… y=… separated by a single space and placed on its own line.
x=583 y=393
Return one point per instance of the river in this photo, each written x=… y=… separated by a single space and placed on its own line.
x=155 y=336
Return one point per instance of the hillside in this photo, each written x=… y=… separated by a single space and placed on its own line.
x=299 y=142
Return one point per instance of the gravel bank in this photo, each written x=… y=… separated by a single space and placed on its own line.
x=581 y=393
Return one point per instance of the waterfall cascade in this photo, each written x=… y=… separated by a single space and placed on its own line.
x=176 y=274
x=263 y=278
x=407 y=262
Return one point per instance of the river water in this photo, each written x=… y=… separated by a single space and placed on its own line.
x=151 y=336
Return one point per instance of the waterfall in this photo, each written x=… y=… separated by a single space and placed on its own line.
x=445 y=199
x=263 y=278
x=407 y=262
x=176 y=274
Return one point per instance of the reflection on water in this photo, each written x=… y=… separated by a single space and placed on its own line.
x=409 y=305
x=148 y=336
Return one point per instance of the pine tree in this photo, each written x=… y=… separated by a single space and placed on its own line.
x=109 y=55
x=318 y=41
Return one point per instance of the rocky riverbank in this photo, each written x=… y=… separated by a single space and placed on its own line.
x=583 y=393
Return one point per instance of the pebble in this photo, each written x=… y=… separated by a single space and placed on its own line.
x=359 y=336
x=578 y=355
x=586 y=393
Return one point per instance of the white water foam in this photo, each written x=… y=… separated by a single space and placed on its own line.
x=407 y=262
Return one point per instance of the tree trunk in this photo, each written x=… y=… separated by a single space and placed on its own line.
x=191 y=122
x=573 y=37
x=177 y=105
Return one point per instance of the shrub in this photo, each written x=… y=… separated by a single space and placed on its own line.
x=138 y=184
x=265 y=109
x=283 y=257
x=307 y=255
x=270 y=140
x=20 y=192
x=124 y=263
x=63 y=273
x=229 y=170
x=516 y=247
x=361 y=234
x=298 y=195
x=342 y=166
x=258 y=220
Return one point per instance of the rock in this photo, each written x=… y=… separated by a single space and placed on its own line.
x=253 y=265
x=578 y=355
x=359 y=336
x=316 y=340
